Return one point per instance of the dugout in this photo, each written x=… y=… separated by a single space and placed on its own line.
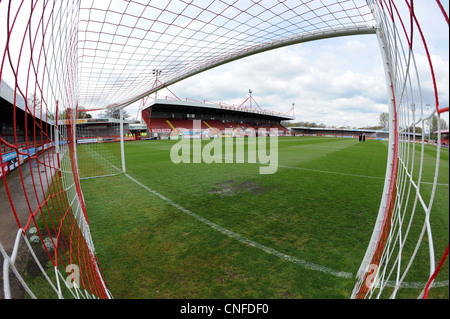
x=444 y=137
x=140 y=131
x=30 y=134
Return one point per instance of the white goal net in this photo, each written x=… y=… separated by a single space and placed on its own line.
x=60 y=57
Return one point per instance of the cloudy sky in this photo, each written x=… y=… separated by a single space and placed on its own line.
x=334 y=81
x=338 y=81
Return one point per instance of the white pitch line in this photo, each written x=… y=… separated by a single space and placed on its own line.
x=348 y=174
x=300 y=262
x=327 y=172
x=330 y=172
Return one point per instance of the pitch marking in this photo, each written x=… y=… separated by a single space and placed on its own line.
x=336 y=173
x=300 y=262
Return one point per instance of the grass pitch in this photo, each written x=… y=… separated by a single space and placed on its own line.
x=225 y=231
x=197 y=230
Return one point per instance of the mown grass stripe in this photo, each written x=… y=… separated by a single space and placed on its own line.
x=300 y=262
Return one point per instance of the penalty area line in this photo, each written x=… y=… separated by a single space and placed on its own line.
x=349 y=174
x=268 y=250
x=328 y=172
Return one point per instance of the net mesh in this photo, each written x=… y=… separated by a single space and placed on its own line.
x=39 y=91
x=402 y=242
x=61 y=56
x=121 y=43
x=98 y=149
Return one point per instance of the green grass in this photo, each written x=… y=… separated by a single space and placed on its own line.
x=98 y=159
x=148 y=248
x=220 y=230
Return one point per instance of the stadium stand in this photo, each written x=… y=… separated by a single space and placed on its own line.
x=165 y=117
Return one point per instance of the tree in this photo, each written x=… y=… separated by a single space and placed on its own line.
x=35 y=107
x=415 y=129
x=66 y=114
x=443 y=124
x=81 y=114
x=114 y=113
x=34 y=104
x=307 y=124
x=384 y=120
x=432 y=124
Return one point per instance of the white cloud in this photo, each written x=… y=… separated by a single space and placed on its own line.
x=327 y=80
x=330 y=81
